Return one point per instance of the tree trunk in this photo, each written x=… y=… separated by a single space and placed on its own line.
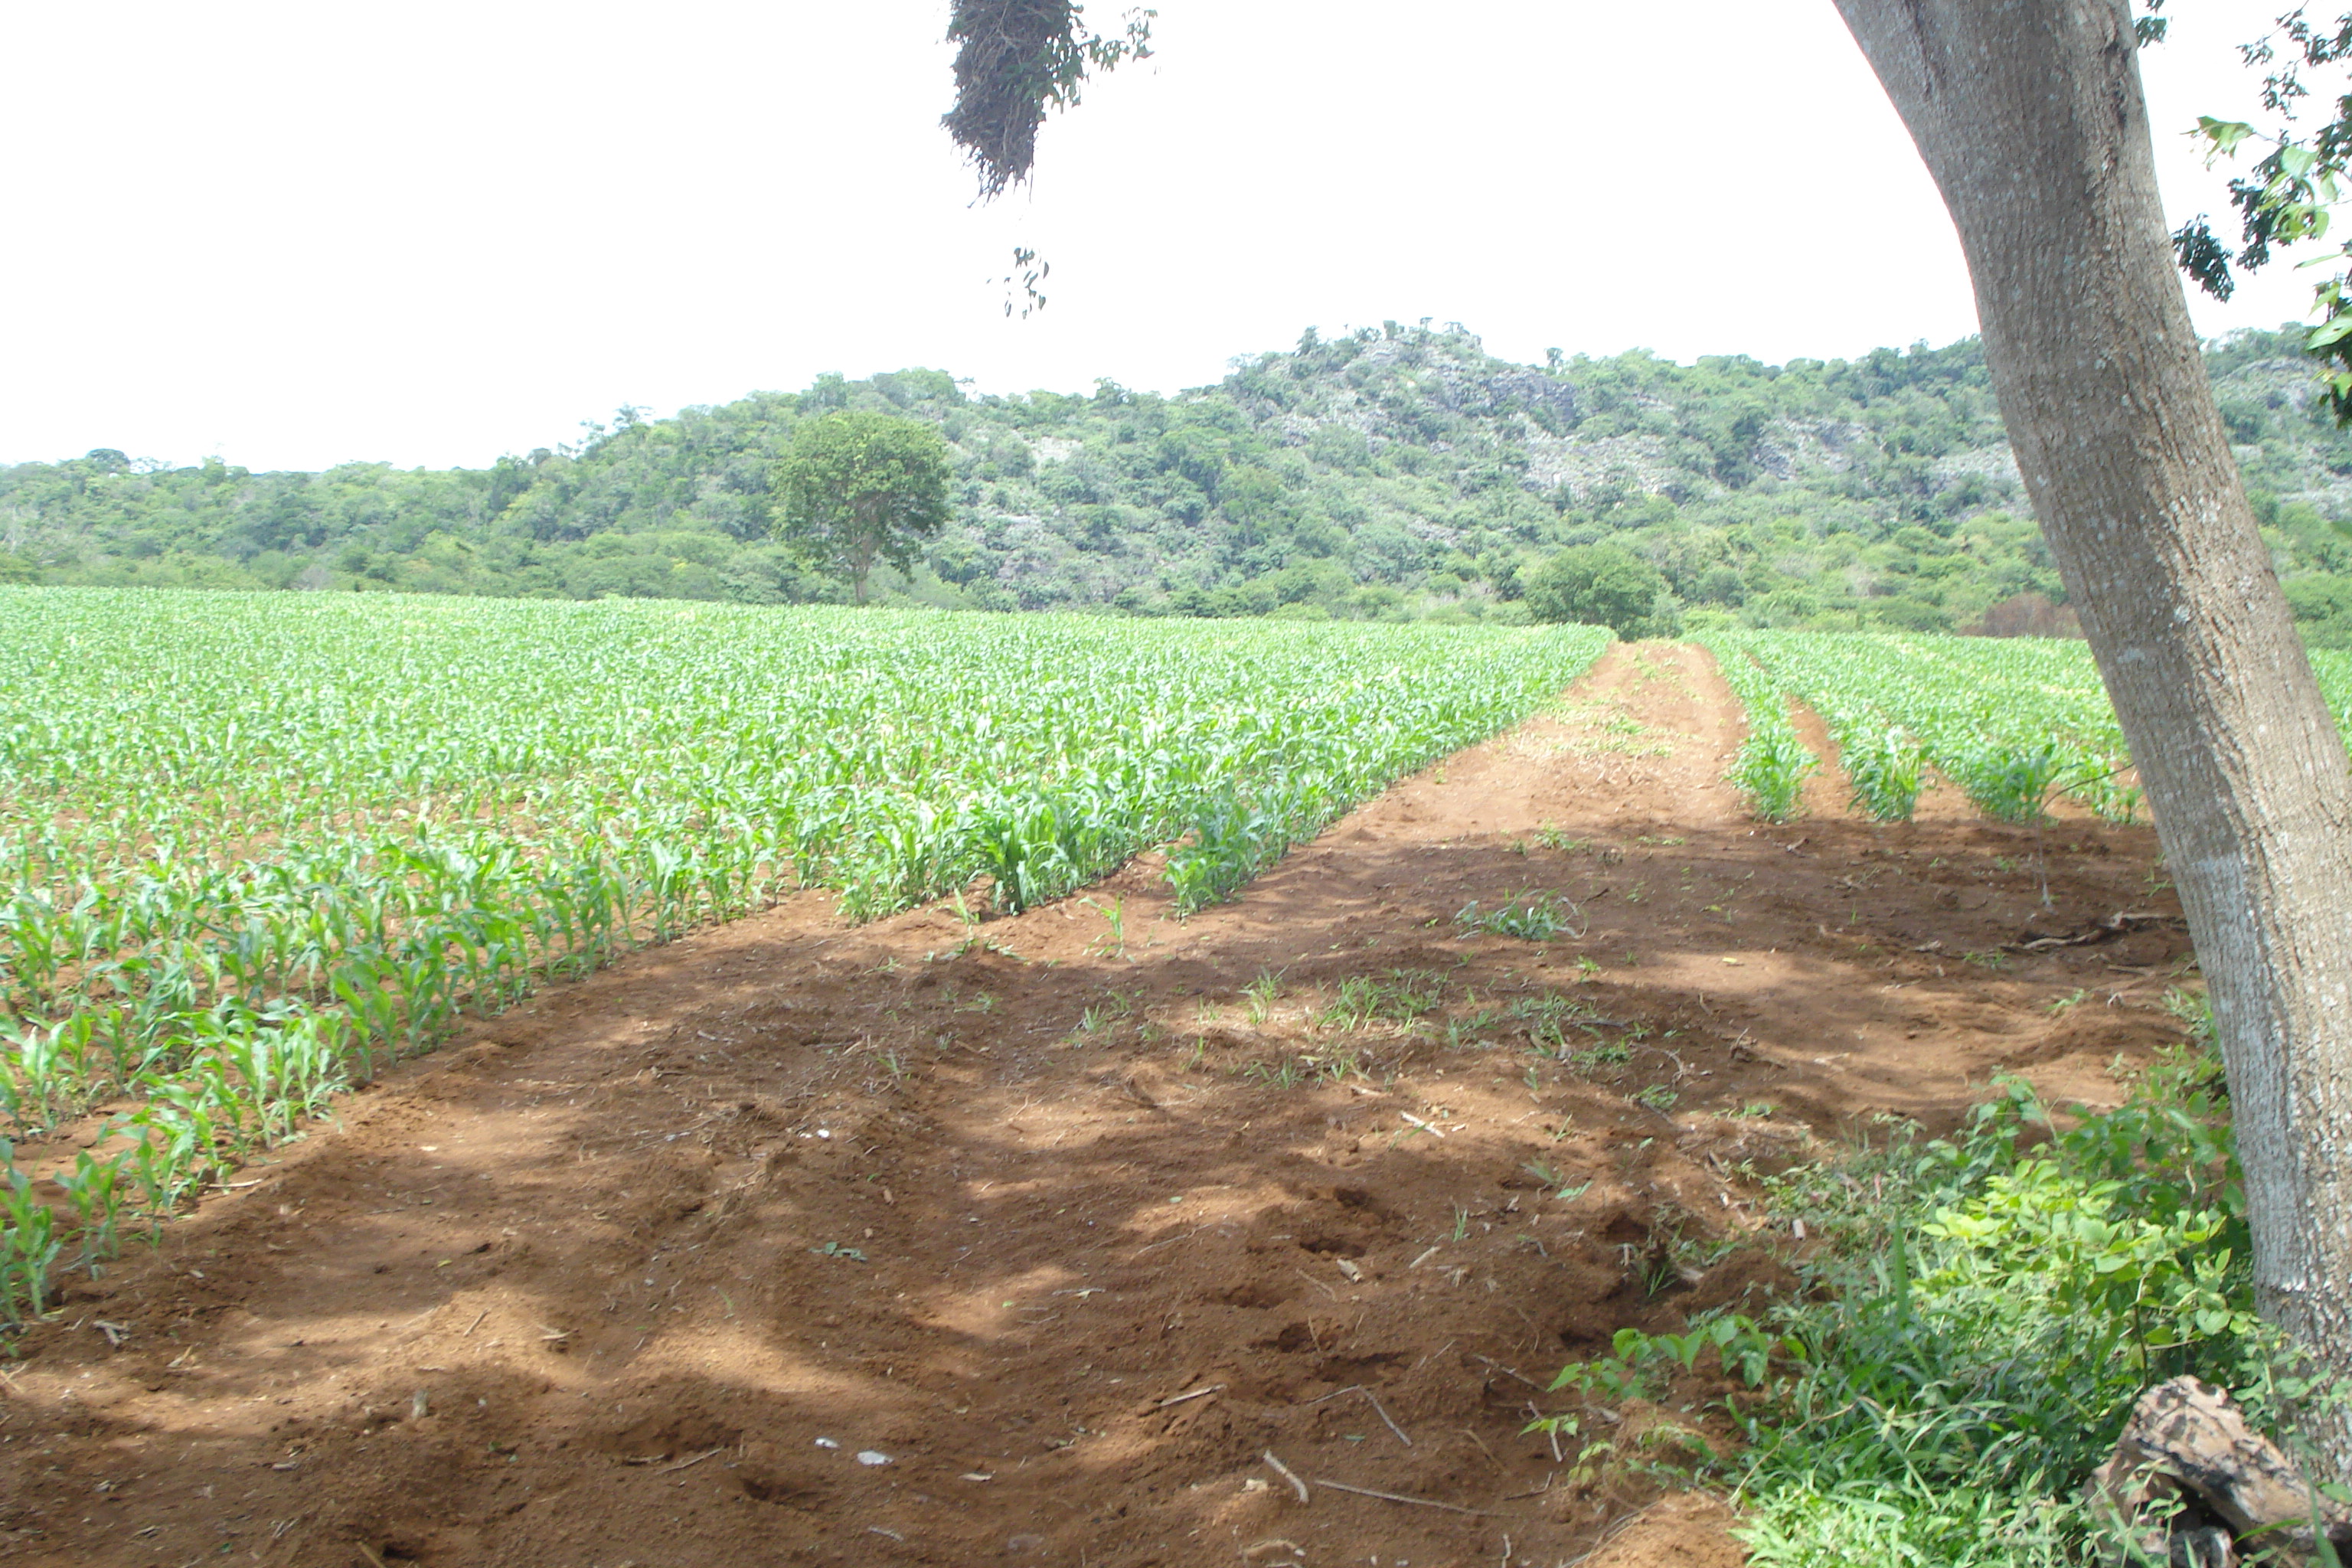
x=2030 y=116
x=864 y=538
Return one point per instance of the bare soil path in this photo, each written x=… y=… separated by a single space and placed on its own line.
x=1073 y=1218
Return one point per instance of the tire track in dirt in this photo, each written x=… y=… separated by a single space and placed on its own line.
x=994 y=1202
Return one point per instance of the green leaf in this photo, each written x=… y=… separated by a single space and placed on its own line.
x=2224 y=134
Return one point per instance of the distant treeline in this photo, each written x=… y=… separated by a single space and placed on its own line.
x=1394 y=473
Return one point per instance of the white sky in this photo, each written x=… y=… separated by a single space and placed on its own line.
x=298 y=234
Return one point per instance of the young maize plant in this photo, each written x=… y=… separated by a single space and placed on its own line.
x=1884 y=768
x=260 y=845
x=1773 y=763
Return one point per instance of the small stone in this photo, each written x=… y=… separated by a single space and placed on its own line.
x=826 y=1443
x=872 y=1456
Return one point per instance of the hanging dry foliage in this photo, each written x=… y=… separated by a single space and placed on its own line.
x=1019 y=59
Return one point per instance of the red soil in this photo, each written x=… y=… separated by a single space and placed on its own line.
x=631 y=1275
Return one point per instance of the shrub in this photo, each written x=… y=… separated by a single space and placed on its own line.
x=1603 y=585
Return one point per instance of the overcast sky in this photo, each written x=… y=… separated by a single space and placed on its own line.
x=299 y=233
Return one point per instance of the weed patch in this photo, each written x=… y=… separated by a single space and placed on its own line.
x=1975 y=1319
x=1531 y=918
x=1401 y=997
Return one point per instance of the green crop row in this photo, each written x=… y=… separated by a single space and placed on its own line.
x=1773 y=763
x=2011 y=722
x=253 y=846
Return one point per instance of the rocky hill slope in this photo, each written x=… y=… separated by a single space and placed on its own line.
x=1396 y=472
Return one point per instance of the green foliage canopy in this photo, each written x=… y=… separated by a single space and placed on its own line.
x=2290 y=194
x=1603 y=585
x=1396 y=472
x=859 y=486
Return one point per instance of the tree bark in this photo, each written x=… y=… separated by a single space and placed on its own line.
x=2030 y=116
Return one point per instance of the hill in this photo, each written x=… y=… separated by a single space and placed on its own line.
x=1396 y=472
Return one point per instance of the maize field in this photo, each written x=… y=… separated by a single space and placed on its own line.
x=257 y=847
x=2013 y=723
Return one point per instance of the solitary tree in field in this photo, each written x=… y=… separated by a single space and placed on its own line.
x=862 y=487
x=2029 y=117
x=1601 y=585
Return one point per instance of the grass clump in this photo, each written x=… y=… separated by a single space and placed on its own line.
x=1291 y=1072
x=1531 y=918
x=1977 y=1317
x=1591 y=1060
x=1401 y=997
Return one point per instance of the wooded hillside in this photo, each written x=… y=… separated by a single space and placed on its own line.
x=1397 y=472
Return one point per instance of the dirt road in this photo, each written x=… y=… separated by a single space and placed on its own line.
x=798 y=1243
